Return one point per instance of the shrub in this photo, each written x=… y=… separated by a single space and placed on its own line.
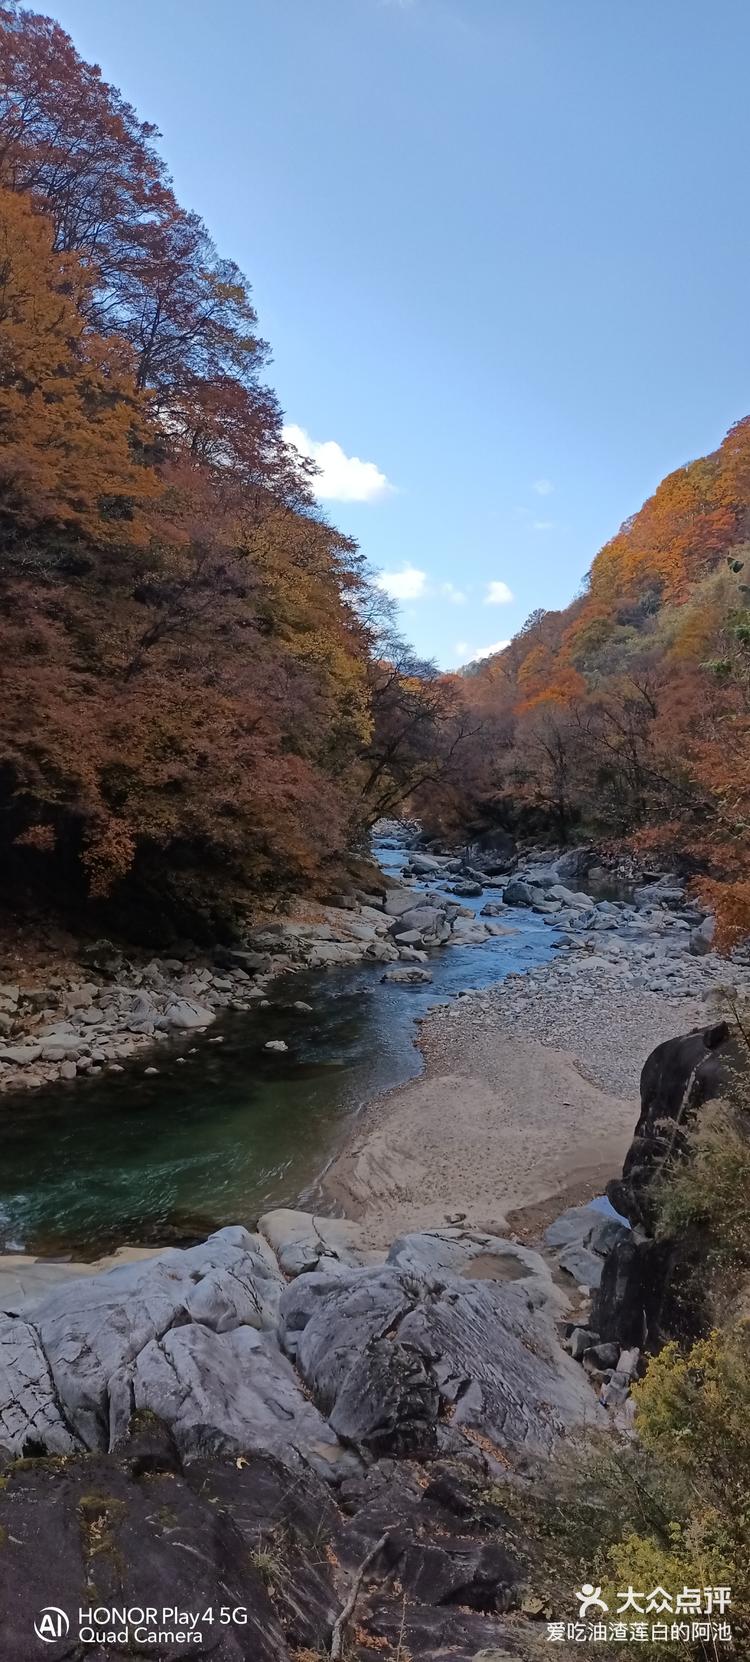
x=693 y=1419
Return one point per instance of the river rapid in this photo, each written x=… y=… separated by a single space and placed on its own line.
x=230 y=1129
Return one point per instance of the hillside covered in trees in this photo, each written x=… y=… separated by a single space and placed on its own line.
x=627 y=715
x=191 y=655
x=204 y=699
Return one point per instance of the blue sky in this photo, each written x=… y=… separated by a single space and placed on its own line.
x=500 y=249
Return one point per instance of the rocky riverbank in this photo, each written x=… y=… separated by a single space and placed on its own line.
x=70 y=1009
x=324 y=1429
x=80 y=1009
x=529 y=1088
x=358 y=1439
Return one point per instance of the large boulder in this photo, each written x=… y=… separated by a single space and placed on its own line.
x=468 y=932
x=185 y=1015
x=651 y=1288
x=677 y=1078
x=702 y=937
x=426 y=865
x=520 y=893
x=489 y=1347
x=398 y=901
x=91 y=1331
x=227 y=1392
x=427 y=920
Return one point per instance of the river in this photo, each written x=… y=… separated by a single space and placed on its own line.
x=233 y=1129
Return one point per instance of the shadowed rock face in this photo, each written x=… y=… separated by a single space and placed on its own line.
x=139 y=1527
x=642 y=1296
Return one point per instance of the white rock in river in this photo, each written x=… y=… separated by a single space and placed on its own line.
x=408 y=976
x=20 y=1054
x=184 y=1014
x=275 y=1044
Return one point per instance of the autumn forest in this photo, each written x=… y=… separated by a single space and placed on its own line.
x=206 y=701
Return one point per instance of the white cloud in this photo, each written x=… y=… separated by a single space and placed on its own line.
x=487 y=651
x=412 y=584
x=466 y=654
x=544 y=525
x=498 y=594
x=341 y=478
x=543 y=487
x=407 y=584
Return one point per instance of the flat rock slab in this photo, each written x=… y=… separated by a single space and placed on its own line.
x=25 y=1279
x=477 y=1256
x=300 y=1241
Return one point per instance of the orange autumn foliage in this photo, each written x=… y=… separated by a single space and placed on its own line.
x=627 y=716
x=70 y=415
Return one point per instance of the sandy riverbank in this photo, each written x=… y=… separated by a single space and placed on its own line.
x=522 y=1098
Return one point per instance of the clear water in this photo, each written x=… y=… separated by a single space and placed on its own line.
x=233 y=1129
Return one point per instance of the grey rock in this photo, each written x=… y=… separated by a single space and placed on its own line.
x=230 y=1392
x=256 y=963
x=605 y=1233
x=30 y=1413
x=520 y=893
x=92 y=1330
x=492 y=1349
x=21 y=1054
x=300 y=1240
x=599 y=1357
x=702 y=938
x=581 y=1340
x=184 y=1015
x=574 y=1225
x=662 y=893
x=424 y=919
x=414 y=976
x=584 y=1266
x=333 y=952
x=627 y=1363
x=472 y=1254
x=468 y=932
x=614 y=1393
x=398 y=901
